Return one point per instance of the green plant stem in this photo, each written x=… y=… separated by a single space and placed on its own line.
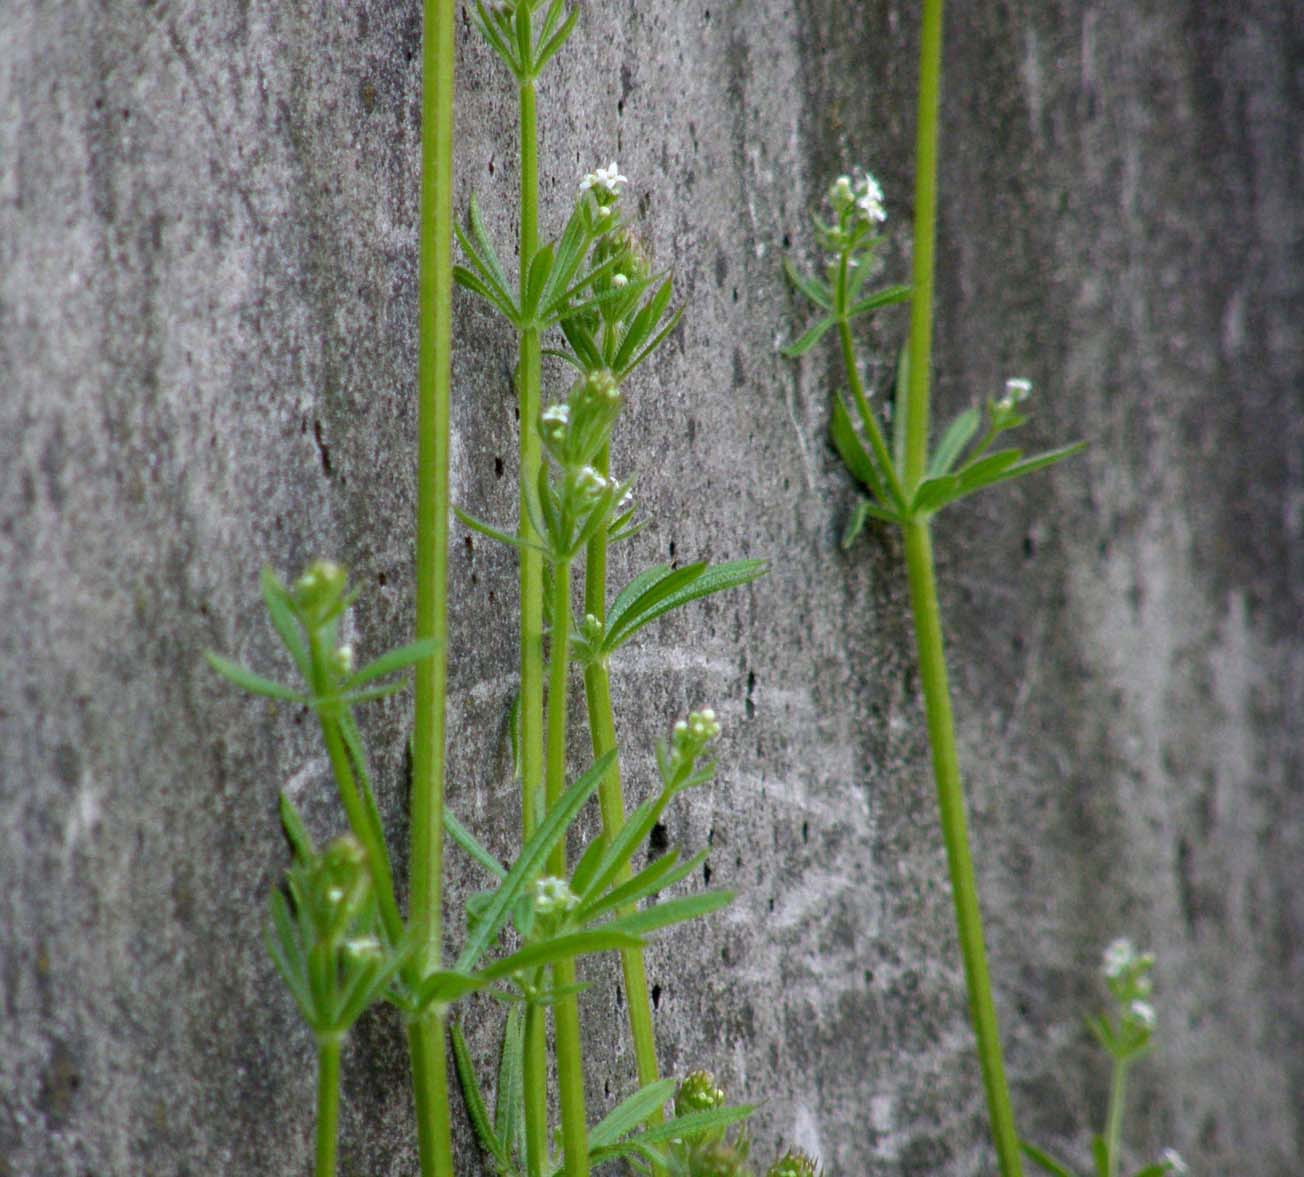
x=611 y=801
x=927 y=614
x=951 y=810
x=434 y=348
x=566 y=1014
x=328 y=1104
x=530 y=730
x=925 y=242
x=872 y=431
x=1114 y=1117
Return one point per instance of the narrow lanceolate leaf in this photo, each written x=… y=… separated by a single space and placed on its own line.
x=1100 y=1154
x=484 y=246
x=255 y=684
x=1044 y=1160
x=958 y=435
x=566 y=947
x=281 y=611
x=528 y=863
x=393 y=660
x=540 y=273
x=1003 y=466
x=296 y=833
x=552 y=45
x=477 y=285
x=813 y=289
x=490 y=32
x=807 y=341
x=475 y=1105
x=509 y=1099
x=680 y=1128
x=487 y=529
x=445 y=986
x=657 y=876
x=641 y=325
x=468 y=841
x=657 y=340
x=866 y=510
x=852 y=451
x=671 y=589
x=671 y=911
x=582 y=344
x=630 y=1113
x=882 y=298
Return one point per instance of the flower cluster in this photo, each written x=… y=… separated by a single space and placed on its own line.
x=553 y=896
x=794 y=1164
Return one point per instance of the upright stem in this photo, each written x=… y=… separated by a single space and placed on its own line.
x=927 y=615
x=602 y=731
x=434 y=377
x=570 y=1067
x=328 y=1104
x=530 y=743
x=1114 y=1118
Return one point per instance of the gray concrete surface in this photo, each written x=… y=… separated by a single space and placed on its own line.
x=207 y=296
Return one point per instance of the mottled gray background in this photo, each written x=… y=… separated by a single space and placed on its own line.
x=207 y=296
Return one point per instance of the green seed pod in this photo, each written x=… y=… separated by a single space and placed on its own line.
x=318 y=592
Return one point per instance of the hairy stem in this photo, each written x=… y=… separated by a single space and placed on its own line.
x=328 y=1104
x=434 y=346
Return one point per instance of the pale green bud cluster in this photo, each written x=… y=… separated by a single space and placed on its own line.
x=698 y=1093
x=338 y=886
x=720 y=1160
x=1127 y=974
x=319 y=592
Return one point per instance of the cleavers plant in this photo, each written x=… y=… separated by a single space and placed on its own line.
x=907 y=484
x=337 y=933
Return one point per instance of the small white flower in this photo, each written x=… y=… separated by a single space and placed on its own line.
x=608 y=178
x=619 y=280
x=869 y=199
x=1119 y=956
x=841 y=194
x=1017 y=389
x=1143 y=1013
x=552 y=894
x=590 y=482
x=557 y=414
x=334 y=894
x=1173 y=1159
x=344 y=659
x=363 y=948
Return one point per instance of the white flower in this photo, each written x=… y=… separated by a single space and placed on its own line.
x=363 y=948
x=608 y=178
x=840 y=193
x=1017 y=389
x=1119 y=956
x=1143 y=1013
x=869 y=199
x=552 y=894
x=589 y=482
x=619 y=280
x=1173 y=1159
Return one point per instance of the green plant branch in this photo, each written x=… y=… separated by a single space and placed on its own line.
x=927 y=614
x=434 y=347
x=1114 y=1117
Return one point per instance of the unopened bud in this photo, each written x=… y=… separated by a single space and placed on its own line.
x=698 y=1093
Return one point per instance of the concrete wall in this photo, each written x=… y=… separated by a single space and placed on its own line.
x=207 y=295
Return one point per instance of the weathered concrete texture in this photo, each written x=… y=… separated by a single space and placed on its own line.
x=207 y=339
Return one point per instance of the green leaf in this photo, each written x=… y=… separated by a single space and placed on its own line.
x=885 y=297
x=555 y=948
x=489 y=31
x=549 y=832
x=255 y=684
x=487 y=529
x=397 y=659
x=852 y=451
x=807 y=341
x=958 y=435
x=1100 y=1155
x=474 y=283
x=671 y=911
x=1002 y=466
x=484 y=250
x=812 y=288
x=588 y=864
x=296 y=833
x=657 y=876
x=1044 y=1160
x=641 y=325
x=657 y=341
x=679 y=1128
x=865 y=510
x=467 y=840
x=1158 y=1169
x=444 y=986
x=551 y=47
x=674 y=589
x=630 y=1113
x=509 y=1099
x=901 y=410
x=582 y=344
x=540 y=272
x=628 y=839
x=476 y=1110
x=280 y=608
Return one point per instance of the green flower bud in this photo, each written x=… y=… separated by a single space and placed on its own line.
x=698 y=1093
x=553 y=896
x=339 y=885
x=318 y=592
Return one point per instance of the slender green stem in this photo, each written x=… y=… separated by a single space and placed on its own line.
x=602 y=731
x=530 y=742
x=1114 y=1118
x=925 y=238
x=434 y=348
x=328 y=1104
x=566 y=1015
x=927 y=614
x=955 y=835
